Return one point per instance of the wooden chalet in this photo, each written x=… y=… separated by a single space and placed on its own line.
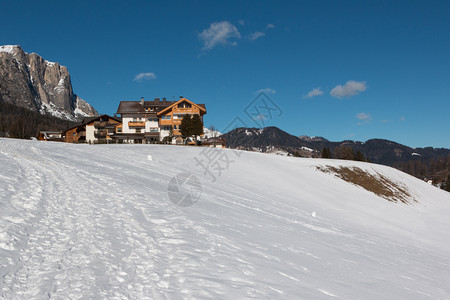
x=217 y=142
x=152 y=121
x=54 y=136
x=94 y=130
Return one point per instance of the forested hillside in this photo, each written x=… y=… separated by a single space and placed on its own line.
x=19 y=122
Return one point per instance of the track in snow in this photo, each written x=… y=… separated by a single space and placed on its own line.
x=77 y=222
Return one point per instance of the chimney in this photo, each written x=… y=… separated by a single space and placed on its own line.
x=142 y=101
x=157 y=99
x=181 y=97
x=164 y=99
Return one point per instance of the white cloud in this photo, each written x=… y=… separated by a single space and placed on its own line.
x=260 y=117
x=314 y=92
x=219 y=33
x=363 y=116
x=269 y=26
x=351 y=88
x=256 y=35
x=267 y=91
x=144 y=76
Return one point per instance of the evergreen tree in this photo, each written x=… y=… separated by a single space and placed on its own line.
x=344 y=152
x=326 y=153
x=359 y=156
x=197 y=126
x=445 y=185
x=186 y=126
x=20 y=122
x=170 y=134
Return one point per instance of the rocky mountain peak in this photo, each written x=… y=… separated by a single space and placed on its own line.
x=30 y=81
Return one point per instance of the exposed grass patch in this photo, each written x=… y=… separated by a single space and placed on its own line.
x=378 y=184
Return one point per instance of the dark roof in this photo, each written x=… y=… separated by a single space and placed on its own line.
x=136 y=107
x=130 y=107
x=90 y=119
x=73 y=127
x=87 y=119
x=50 y=132
x=215 y=140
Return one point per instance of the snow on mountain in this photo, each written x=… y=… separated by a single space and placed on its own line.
x=30 y=81
x=312 y=138
x=82 y=221
x=7 y=48
x=208 y=133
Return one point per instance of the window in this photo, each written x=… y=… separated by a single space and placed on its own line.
x=138 y=130
x=166 y=117
x=134 y=119
x=184 y=105
x=119 y=129
x=175 y=126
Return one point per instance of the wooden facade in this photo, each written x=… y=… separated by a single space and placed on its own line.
x=100 y=129
x=172 y=115
x=154 y=121
x=75 y=134
x=55 y=136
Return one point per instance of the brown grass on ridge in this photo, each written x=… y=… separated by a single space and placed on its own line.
x=379 y=185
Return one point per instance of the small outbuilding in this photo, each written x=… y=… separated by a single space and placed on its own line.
x=217 y=142
x=55 y=136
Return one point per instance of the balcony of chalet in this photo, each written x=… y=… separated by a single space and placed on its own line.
x=136 y=124
x=100 y=124
x=100 y=133
x=151 y=134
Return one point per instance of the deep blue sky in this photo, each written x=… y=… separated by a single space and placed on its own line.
x=391 y=59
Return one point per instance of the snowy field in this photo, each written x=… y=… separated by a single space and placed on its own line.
x=96 y=222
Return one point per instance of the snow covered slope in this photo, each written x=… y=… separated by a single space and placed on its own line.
x=81 y=221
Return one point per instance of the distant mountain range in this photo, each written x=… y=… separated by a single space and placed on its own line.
x=29 y=81
x=273 y=139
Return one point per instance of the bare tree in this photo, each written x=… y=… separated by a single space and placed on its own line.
x=213 y=132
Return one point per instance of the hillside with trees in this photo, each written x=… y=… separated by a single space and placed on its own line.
x=19 y=122
x=425 y=163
